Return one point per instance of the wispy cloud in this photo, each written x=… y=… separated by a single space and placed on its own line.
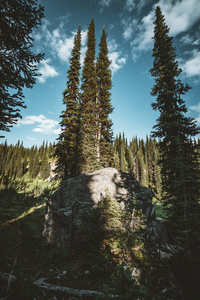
x=191 y=67
x=180 y=16
x=46 y=70
x=56 y=41
x=43 y=125
x=116 y=62
x=196 y=108
x=130 y=5
x=115 y=55
x=191 y=40
x=104 y=3
x=129 y=27
x=31 y=138
x=136 y=4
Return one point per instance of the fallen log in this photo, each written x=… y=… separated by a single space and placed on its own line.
x=87 y=294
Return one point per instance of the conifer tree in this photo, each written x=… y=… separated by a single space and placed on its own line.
x=123 y=161
x=18 y=62
x=116 y=160
x=89 y=107
x=44 y=168
x=104 y=130
x=34 y=166
x=180 y=173
x=68 y=146
x=141 y=165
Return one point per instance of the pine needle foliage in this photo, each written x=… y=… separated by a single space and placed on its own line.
x=180 y=174
x=89 y=105
x=18 y=66
x=67 y=149
x=85 y=142
x=104 y=79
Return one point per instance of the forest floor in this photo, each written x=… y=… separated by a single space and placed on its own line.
x=98 y=266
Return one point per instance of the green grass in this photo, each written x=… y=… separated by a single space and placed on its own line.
x=160 y=211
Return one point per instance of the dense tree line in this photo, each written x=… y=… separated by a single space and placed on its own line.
x=18 y=161
x=140 y=158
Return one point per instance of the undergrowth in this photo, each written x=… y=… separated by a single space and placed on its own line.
x=112 y=259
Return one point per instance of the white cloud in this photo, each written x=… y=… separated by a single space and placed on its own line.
x=84 y=37
x=56 y=41
x=191 y=40
x=196 y=108
x=130 y=5
x=46 y=70
x=192 y=66
x=105 y=2
x=186 y=39
x=112 y=45
x=64 y=48
x=43 y=125
x=139 y=4
x=128 y=31
x=117 y=60
x=83 y=52
x=31 y=139
x=142 y=3
x=38 y=37
x=31 y=120
x=180 y=16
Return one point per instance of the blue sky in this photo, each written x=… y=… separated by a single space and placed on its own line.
x=129 y=24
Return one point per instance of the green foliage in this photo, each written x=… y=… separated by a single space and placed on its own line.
x=85 y=142
x=178 y=156
x=104 y=107
x=160 y=211
x=18 y=62
x=140 y=158
x=111 y=213
x=21 y=164
x=89 y=107
x=68 y=147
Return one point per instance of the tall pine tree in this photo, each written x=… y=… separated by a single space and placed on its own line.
x=89 y=106
x=178 y=157
x=67 y=149
x=104 y=130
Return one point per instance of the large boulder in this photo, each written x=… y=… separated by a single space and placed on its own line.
x=67 y=208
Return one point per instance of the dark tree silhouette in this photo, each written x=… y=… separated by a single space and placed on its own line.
x=18 y=64
x=180 y=171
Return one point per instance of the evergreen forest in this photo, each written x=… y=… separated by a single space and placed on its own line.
x=116 y=263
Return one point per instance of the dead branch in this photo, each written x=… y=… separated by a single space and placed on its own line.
x=4 y=277
x=71 y=292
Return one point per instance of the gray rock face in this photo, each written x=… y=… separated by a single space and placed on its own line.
x=66 y=209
